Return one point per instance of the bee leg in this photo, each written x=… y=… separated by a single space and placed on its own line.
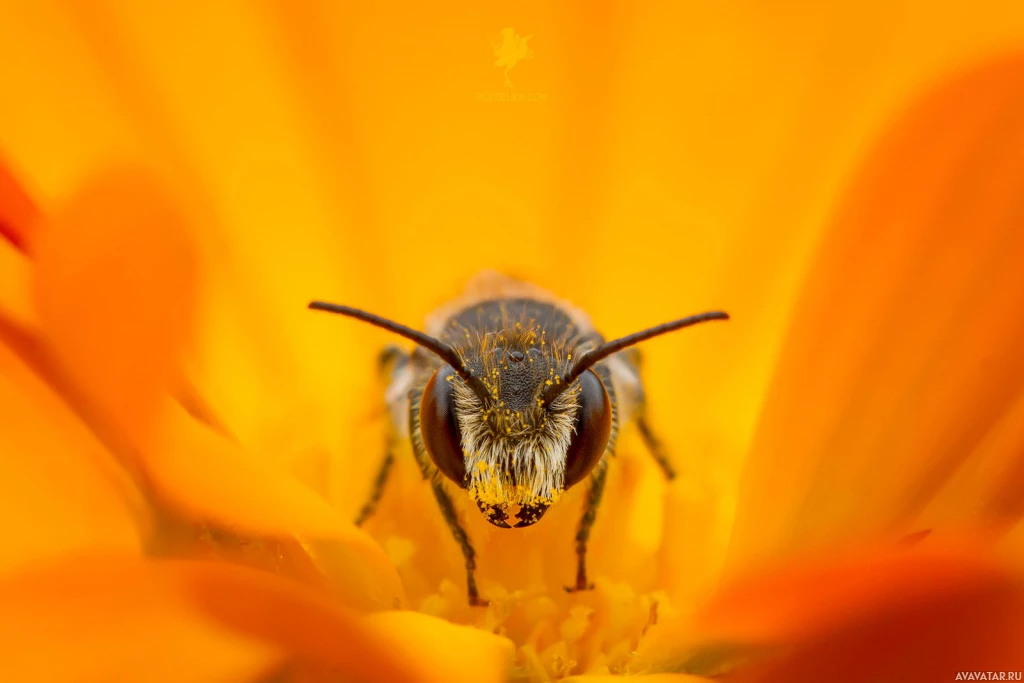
x=390 y=360
x=378 y=488
x=444 y=501
x=654 y=446
x=583 y=534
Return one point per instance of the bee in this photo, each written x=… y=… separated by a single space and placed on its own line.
x=512 y=397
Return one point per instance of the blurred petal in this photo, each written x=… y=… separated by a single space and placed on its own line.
x=455 y=653
x=282 y=233
x=17 y=306
x=59 y=122
x=905 y=350
x=988 y=490
x=17 y=210
x=112 y=618
x=700 y=517
x=18 y=213
x=120 y=618
x=301 y=622
x=210 y=477
x=649 y=678
x=115 y=291
x=59 y=489
x=806 y=597
x=184 y=538
x=907 y=615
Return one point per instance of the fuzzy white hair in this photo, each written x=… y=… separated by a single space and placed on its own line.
x=514 y=458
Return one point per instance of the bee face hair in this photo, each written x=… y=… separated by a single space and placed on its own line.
x=515 y=458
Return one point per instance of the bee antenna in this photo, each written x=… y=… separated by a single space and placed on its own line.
x=594 y=356
x=445 y=352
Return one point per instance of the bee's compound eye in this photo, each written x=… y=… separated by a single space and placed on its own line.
x=593 y=427
x=440 y=427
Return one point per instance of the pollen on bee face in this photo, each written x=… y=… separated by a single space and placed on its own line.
x=490 y=491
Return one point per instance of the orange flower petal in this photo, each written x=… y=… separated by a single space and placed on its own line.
x=912 y=615
x=305 y=624
x=212 y=478
x=695 y=539
x=61 y=118
x=905 y=351
x=17 y=210
x=281 y=235
x=59 y=489
x=120 y=619
x=17 y=215
x=649 y=678
x=115 y=292
x=184 y=538
x=455 y=653
x=16 y=304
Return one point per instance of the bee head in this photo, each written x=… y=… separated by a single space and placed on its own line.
x=514 y=452
x=512 y=422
